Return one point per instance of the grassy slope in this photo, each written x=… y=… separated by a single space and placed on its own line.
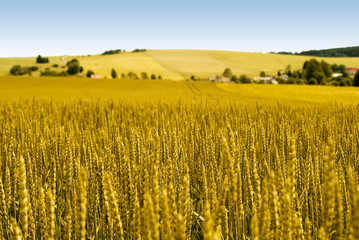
x=142 y=90
x=181 y=64
x=7 y=63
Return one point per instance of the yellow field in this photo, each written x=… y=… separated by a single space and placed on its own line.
x=150 y=90
x=130 y=160
x=135 y=159
x=181 y=64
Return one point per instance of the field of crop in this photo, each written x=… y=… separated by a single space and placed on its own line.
x=180 y=64
x=111 y=159
x=66 y=88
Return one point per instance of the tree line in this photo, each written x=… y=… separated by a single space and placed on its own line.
x=129 y=75
x=117 y=51
x=332 y=52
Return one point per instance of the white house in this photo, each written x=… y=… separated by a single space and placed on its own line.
x=265 y=80
x=334 y=75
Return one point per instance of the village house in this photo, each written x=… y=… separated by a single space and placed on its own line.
x=265 y=80
x=352 y=71
x=334 y=75
x=284 y=77
x=96 y=76
x=212 y=79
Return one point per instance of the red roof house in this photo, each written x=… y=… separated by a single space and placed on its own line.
x=352 y=71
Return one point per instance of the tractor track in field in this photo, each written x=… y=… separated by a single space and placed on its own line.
x=194 y=89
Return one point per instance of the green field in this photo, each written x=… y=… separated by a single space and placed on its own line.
x=12 y=88
x=179 y=64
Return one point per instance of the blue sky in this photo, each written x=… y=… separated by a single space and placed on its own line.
x=29 y=28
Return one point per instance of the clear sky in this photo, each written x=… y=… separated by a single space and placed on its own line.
x=74 y=27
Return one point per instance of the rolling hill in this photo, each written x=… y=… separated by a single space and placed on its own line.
x=179 y=64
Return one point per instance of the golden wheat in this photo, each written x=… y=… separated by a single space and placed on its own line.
x=110 y=169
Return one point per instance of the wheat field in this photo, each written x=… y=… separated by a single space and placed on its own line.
x=192 y=168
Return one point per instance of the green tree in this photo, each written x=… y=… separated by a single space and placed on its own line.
x=153 y=76
x=342 y=69
x=227 y=73
x=40 y=59
x=18 y=70
x=89 y=73
x=335 y=68
x=144 y=75
x=132 y=75
x=235 y=79
x=356 y=79
x=341 y=81
x=291 y=80
x=262 y=74
x=312 y=69
x=321 y=78
x=244 y=79
x=113 y=73
x=73 y=67
x=313 y=81
x=327 y=69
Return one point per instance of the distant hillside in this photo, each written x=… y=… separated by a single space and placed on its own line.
x=332 y=52
x=178 y=64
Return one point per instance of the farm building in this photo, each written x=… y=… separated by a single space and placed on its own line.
x=96 y=76
x=284 y=77
x=337 y=75
x=265 y=80
x=212 y=79
x=352 y=71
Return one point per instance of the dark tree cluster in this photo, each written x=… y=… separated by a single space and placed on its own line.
x=143 y=75
x=317 y=73
x=332 y=52
x=73 y=67
x=89 y=73
x=139 y=50
x=40 y=59
x=339 y=69
x=109 y=52
x=356 y=79
x=153 y=77
x=18 y=70
x=51 y=73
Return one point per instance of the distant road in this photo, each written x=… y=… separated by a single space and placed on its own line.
x=63 y=59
